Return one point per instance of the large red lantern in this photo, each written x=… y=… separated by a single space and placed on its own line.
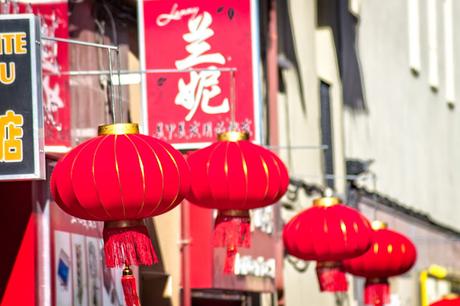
x=449 y=300
x=328 y=232
x=234 y=175
x=121 y=177
x=391 y=254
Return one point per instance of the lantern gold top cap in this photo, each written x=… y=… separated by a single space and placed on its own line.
x=450 y=296
x=233 y=136
x=326 y=201
x=118 y=129
x=377 y=225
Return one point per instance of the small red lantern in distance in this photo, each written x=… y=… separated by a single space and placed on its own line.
x=448 y=300
x=121 y=177
x=391 y=254
x=234 y=175
x=328 y=232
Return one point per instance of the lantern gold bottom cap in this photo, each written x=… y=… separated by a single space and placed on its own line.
x=118 y=129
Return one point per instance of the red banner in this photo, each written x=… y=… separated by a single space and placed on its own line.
x=208 y=39
x=55 y=59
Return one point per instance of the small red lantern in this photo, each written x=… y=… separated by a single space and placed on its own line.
x=328 y=233
x=391 y=254
x=449 y=300
x=234 y=175
x=121 y=177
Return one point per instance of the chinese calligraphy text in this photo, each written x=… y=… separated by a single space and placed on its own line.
x=204 y=85
x=11 y=137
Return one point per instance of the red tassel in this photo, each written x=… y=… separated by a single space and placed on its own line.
x=232 y=229
x=229 y=265
x=331 y=277
x=130 y=245
x=377 y=292
x=128 y=281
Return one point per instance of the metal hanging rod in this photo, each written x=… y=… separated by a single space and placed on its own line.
x=297 y=147
x=110 y=49
x=79 y=42
x=364 y=176
x=146 y=71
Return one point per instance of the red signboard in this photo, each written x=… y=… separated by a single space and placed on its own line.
x=207 y=39
x=55 y=59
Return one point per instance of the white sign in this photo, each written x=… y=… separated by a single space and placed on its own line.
x=258 y=267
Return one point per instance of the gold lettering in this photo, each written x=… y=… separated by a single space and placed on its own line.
x=20 y=43
x=6 y=78
x=11 y=137
x=8 y=39
x=13 y=43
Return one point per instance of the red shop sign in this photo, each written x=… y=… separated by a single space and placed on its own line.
x=190 y=108
x=55 y=59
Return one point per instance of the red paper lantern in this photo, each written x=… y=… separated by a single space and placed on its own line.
x=233 y=175
x=121 y=177
x=391 y=254
x=328 y=232
x=453 y=300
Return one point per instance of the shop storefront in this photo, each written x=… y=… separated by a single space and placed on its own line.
x=256 y=277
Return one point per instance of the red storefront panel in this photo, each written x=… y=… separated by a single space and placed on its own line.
x=256 y=268
x=55 y=59
x=18 y=281
x=189 y=109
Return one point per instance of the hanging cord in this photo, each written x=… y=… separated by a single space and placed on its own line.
x=112 y=94
x=113 y=27
x=103 y=80
x=232 y=100
x=120 y=94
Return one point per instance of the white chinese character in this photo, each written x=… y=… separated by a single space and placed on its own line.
x=203 y=86
x=53 y=103
x=181 y=130
x=170 y=128
x=233 y=126
x=197 y=47
x=160 y=132
x=220 y=127
x=51 y=93
x=194 y=129
x=207 y=129
x=246 y=125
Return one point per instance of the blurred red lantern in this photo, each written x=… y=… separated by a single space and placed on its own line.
x=449 y=300
x=121 y=177
x=391 y=254
x=328 y=232
x=234 y=175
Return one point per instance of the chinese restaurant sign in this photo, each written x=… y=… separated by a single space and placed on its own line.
x=21 y=119
x=205 y=38
x=55 y=59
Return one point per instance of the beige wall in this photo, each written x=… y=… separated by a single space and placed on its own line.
x=317 y=59
x=409 y=128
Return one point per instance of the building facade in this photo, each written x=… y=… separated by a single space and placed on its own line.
x=358 y=96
